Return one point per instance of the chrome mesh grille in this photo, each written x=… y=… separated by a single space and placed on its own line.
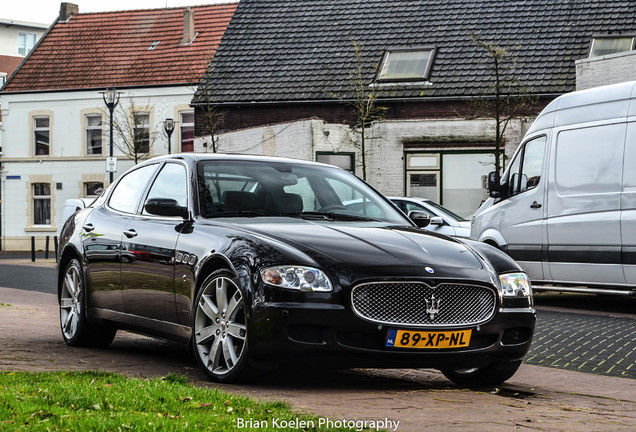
x=417 y=304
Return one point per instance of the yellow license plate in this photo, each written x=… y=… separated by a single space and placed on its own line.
x=428 y=339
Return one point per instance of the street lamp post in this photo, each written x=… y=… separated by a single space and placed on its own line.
x=111 y=99
x=168 y=127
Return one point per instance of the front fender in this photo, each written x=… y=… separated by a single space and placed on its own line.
x=500 y=261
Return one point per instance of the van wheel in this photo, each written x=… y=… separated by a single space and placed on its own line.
x=487 y=376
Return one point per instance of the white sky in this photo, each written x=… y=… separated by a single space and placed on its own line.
x=45 y=11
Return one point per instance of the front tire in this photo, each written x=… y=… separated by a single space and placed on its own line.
x=482 y=377
x=76 y=330
x=220 y=341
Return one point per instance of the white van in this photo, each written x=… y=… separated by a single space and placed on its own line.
x=565 y=208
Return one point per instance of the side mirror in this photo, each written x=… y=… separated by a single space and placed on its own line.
x=436 y=220
x=419 y=218
x=165 y=207
x=493 y=184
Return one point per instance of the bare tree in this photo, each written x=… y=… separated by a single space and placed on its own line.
x=211 y=116
x=364 y=104
x=506 y=97
x=135 y=133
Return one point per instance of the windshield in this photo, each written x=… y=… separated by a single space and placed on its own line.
x=446 y=211
x=254 y=188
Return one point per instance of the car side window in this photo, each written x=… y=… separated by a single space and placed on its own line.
x=525 y=171
x=125 y=198
x=171 y=183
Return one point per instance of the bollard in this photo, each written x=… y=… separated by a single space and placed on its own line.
x=46 y=248
x=32 y=248
x=55 y=246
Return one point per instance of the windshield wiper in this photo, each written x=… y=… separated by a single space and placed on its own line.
x=331 y=216
x=239 y=213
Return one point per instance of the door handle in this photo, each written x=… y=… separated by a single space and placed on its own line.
x=88 y=227
x=130 y=233
x=535 y=205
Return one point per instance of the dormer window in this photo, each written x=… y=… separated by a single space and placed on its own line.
x=406 y=64
x=605 y=45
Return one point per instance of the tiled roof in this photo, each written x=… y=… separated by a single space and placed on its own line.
x=299 y=50
x=9 y=63
x=110 y=49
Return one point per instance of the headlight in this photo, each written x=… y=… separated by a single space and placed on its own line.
x=515 y=285
x=297 y=278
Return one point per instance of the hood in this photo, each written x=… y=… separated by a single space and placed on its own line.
x=367 y=244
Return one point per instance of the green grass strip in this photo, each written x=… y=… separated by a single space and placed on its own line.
x=98 y=401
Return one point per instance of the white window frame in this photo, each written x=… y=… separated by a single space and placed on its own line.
x=23 y=42
x=88 y=128
x=37 y=129
x=184 y=125
x=391 y=56
x=593 y=45
x=41 y=198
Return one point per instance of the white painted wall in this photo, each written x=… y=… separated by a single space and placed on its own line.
x=68 y=164
x=610 y=69
x=9 y=30
x=385 y=143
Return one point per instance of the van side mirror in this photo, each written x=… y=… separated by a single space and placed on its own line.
x=493 y=184
x=419 y=218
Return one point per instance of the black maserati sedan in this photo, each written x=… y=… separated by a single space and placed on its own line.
x=257 y=262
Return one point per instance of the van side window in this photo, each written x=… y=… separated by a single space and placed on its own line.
x=525 y=171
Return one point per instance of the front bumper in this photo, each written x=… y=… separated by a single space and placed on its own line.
x=333 y=335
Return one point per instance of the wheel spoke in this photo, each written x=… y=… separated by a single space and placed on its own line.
x=234 y=305
x=208 y=307
x=221 y=295
x=70 y=285
x=206 y=335
x=229 y=353
x=66 y=303
x=237 y=330
x=70 y=323
x=214 y=357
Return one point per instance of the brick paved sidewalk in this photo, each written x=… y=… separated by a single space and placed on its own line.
x=535 y=399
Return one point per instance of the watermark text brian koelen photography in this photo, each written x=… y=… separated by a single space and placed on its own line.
x=297 y=423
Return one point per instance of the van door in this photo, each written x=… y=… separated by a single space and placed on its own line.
x=584 y=217
x=628 y=206
x=522 y=209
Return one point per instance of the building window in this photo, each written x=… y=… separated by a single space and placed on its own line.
x=41 y=204
x=406 y=65
x=26 y=42
x=42 y=135
x=142 y=132
x=3 y=78
x=342 y=160
x=93 y=188
x=94 y=134
x=187 y=131
x=602 y=46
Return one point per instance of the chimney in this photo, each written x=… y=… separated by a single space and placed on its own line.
x=188 y=26
x=66 y=10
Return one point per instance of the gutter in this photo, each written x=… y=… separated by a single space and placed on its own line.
x=384 y=100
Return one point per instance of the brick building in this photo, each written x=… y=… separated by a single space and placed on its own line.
x=281 y=81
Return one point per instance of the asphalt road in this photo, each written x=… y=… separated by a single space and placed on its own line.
x=583 y=333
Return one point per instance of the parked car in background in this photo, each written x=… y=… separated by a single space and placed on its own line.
x=255 y=261
x=443 y=221
x=72 y=205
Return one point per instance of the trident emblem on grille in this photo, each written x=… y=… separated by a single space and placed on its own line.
x=432 y=307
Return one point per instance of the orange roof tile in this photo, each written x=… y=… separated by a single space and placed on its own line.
x=110 y=49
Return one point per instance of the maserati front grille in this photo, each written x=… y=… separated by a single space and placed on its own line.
x=418 y=304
